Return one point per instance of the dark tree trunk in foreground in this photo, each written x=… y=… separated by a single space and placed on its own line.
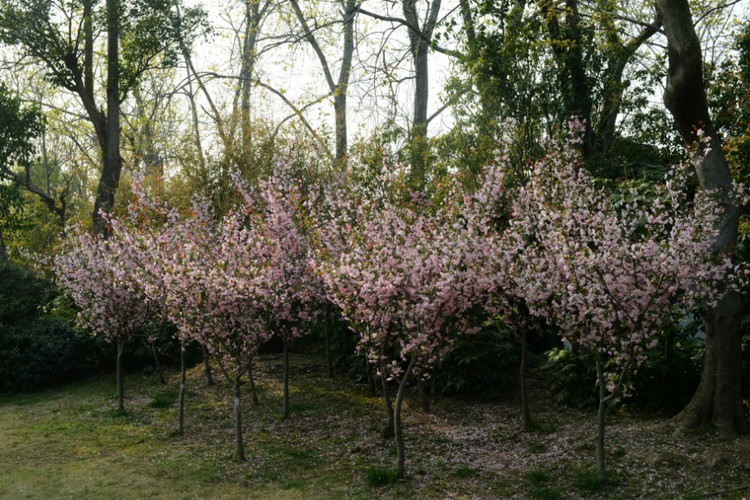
x=718 y=398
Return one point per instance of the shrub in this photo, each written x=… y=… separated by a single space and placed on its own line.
x=44 y=352
x=22 y=294
x=482 y=365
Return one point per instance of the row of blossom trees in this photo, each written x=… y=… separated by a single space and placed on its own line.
x=604 y=268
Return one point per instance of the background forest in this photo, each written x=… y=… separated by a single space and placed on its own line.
x=343 y=132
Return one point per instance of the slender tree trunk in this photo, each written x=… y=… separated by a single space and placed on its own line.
x=329 y=361
x=181 y=402
x=603 y=400
x=238 y=419
x=718 y=398
x=252 y=382
x=398 y=425
x=207 y=366
x=285 y=405
x=159 y=370
x=388 y=430
x=120 y=383
x=525 y=414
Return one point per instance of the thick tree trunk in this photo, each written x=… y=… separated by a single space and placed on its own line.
x=567 y=46
x=120 y=383
x=110 y=178
x=719 y=397
x=181 y=401
x=419 y=44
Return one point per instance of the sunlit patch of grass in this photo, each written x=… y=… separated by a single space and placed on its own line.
x=164 y=399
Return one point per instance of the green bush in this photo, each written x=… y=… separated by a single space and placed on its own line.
x=664 y=380
x=572 y=377
x=482 y=365
x=22 y=294
x=44 y=352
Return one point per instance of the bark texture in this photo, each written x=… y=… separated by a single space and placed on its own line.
x=718 y=398
x=110 y=178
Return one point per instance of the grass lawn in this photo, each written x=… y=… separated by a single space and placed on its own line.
x=69 y=442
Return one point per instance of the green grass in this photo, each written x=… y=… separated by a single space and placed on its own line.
x=380 y=476
x=71 y=442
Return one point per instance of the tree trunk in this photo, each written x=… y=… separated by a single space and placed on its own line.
x=207 y=366
x=567 y=46
x=285 y=405
x=718 y=398
x=419 y=45
x=110 y=178
x=252 y=382
x=388 y=430
x=120 y=383
x=603 y=401
x=159 y=370
x=329 y=361
x=238 y=419
x=398 y=426
x=525 y=414
x=181 y=402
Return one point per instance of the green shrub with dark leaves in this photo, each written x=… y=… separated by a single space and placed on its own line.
x=665 y=379
x=44 y=352
x=483 y=365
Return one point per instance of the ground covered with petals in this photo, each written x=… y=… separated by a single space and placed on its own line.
x=70 y=442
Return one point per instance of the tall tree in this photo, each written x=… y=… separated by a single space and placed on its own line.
x=18 y=127
x=61 y=37
x=718 y=398
x=339 y=87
